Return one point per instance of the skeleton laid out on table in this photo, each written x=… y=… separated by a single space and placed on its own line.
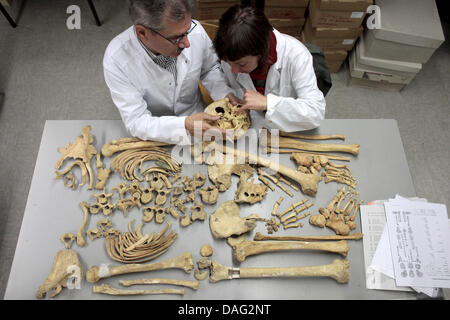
x=149 y=189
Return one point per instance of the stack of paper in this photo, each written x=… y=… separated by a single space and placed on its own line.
x=406 y=245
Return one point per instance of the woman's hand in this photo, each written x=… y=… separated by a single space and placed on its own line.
x=253 y=100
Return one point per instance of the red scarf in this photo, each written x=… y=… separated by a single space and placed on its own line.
x=259 y=75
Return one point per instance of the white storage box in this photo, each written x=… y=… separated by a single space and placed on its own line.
x=410 y=31
x=391 y=71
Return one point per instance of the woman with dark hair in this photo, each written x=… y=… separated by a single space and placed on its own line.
x=272 y=72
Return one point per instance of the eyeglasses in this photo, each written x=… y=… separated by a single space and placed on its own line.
x=178 y=39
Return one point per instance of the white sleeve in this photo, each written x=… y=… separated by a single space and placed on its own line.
x=308 y=109
x=137 y=119
x=212 y=76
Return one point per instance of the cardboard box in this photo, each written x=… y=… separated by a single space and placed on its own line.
x=410 y=30
x=280 y=12
x=338 y=13
x=208 y=10
x=335 y=59
x=329 y=43
x=291 y=27
x=286 y=3
x=332 y=32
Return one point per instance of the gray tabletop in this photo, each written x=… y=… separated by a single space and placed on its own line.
x=52 y=209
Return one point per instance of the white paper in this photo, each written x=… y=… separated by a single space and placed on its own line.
x=419 y=238
x=373 y=220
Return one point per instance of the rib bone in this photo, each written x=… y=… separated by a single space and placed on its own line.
x=337 y=270
x=109 y=149
x=183 y=262
x=250 y=248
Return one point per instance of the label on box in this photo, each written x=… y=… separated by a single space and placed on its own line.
x=356 y=15
x=347 y=41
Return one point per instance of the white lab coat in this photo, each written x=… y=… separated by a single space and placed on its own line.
x=294 y=102
x=152 y=105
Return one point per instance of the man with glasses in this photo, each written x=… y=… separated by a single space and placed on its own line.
x=152 y=70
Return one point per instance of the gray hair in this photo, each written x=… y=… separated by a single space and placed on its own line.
x=149 y=13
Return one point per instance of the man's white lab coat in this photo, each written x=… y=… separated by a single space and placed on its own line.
x=294 y=102
x=153 y=106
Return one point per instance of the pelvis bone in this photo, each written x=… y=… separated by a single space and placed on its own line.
x=226 y=221
x=66 y=265
x=337 y=270
x=248 y=248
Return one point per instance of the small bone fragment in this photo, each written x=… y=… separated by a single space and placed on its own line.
x=201 y=274
x=102 y=173
x=209 y=194
x=80 y=238
x=289 y=226
x=65 y=266
x=248 y=248
x=185 y=221
x=353 y=236
x=304 y=160
x=356 y=210
x=276 y=205
x=291 y=207
x=70 y=181
x=282 y=179
x=318 y=220
x=297 y=218
x=94 y=233
x=107 y=289
x=337 y=270
x=183 y=261
x=68 y=239
x=206 y=250
x=184 y=283
x=198 y=212
x=278 y=184
x=311 y=137
x=203 y=263
x=338 y=225
x=267 y=183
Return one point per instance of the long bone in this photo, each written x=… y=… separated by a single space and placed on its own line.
x=293 y=151
x=308 y=182
x=337 y=270
x=284 y=142
x=109 y=149
x=354 y=236
x=185 y=283
x=183 y=261
x=249 y=248
x=311 y=137
x=107 y=289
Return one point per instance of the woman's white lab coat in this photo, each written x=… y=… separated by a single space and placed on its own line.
x=294 y=102
x=153 y=106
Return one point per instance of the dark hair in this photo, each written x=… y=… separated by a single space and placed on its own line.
x=149 y=13
x=243 y=31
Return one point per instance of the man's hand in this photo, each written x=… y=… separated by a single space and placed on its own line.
x=253 y=100
x=233 y=99
x=200 y=123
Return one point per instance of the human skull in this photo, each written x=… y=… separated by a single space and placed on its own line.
x=238 y=123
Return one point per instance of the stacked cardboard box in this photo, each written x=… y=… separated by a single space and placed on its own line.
x=287 y=16
x=212 y=9
x=391 y=55
x=335 y=26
